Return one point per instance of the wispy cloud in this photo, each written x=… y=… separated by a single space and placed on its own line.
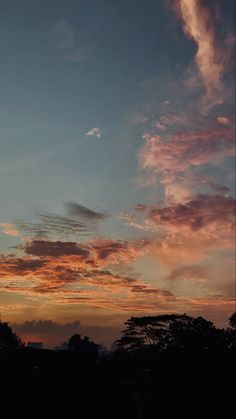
x=209 y=58
x=166 y=121
x=190 y=274
x=78 y=221
x=65 y=39
x=94 y=132
x=75 y=56
x=66 y=273
x=79 y=211
x=167 y=159
x=182 y=151
x=64 y=34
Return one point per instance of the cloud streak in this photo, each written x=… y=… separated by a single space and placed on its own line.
x=173 y=160
x=78 y=221
x=79 y=211
x=183 y=151
x=65 y=40
x=198 y=25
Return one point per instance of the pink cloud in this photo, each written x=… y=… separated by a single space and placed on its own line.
x=198 y=25
x=166 y=121
x=176 y=154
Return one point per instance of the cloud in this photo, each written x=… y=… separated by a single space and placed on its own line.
x=186 y=233
x=185 y=150
x=14 y=266
x=79 y=211
x=64 y=34
x=198 y=25
x=58 y=248
x=53 y=333
x=49 y=332
x=168 y=159
x=75 y=56
x=66 y=41
x=189 y=273
x=223 y=120
x=95 y=252
x=94 y=132
x=214 y=186
x=48 y=225
x=117 y=251
x=10 y=229
x=46 y=326
x=197 y=214
x=51 y=267
x=166 y=121
x=69 y=279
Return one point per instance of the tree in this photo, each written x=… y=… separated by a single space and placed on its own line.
x=171 y=332
x=9 y=341
x=231 y=333
x=83 y=346
x=232 y=321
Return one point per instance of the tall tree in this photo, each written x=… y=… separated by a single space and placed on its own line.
x=9 y=341
x=168 y=332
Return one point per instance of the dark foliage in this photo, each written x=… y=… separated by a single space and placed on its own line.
x=232 y=321
x=9 y=341
x=83 y=347
x=171 y=333
x=164 y=366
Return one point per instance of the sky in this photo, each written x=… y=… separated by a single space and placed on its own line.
x=116 y=164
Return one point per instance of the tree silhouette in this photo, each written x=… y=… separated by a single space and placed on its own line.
x=9 y=341
x=231 y=333
x=171 y=332
x=232 y=321
x=83 y=346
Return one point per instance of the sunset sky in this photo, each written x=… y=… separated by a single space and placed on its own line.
x=116 y=163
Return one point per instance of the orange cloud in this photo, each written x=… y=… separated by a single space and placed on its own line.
x=187 y=232
x=69 y=272
x=223 y=120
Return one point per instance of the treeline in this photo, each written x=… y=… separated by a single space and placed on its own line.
x=155 y=359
